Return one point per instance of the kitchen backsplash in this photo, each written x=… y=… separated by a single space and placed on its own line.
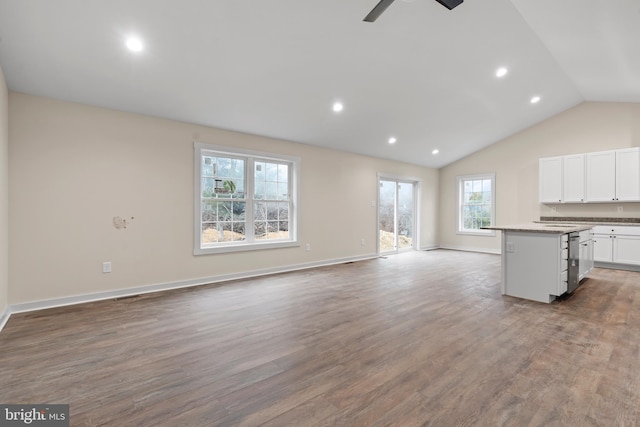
x=591 y=210
x=589 y=219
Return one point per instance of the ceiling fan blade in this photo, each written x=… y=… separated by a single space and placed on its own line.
x=377 y=11
x=450 y=4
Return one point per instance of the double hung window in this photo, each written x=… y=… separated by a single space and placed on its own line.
x=244 y=200
x=476 y=204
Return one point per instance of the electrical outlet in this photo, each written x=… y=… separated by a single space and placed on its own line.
x=307 y=247
x=361 y=242
x=510 y=247
x=554 y=209
x=106 y=267
x=620 y=209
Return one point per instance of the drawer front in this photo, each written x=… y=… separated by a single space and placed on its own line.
x=562 y=283
x=627 y=231
x=616 y=229
x=562 y=288
x=602 y=229
x=585 y=235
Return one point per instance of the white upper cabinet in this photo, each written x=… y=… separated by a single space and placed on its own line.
x=573 y=179
x=601 y=176
x=613 y=176
x=628 y=174
x=550 y=180
x=604 y=176
x=561 y=179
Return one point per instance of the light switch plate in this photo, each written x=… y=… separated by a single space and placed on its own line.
x=106 y=267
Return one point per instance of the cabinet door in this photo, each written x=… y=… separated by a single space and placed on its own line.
x=590 y=255
x=583 y=261
x=628 y=174
x=602 y=248
x=601 y=176
x=550 y=180
x=586 y=258
x=573 y=178
x=626 y=250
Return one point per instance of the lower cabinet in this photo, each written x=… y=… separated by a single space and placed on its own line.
x=626 y=250
x=586 y=254
x=602 y=248
x=617 y=244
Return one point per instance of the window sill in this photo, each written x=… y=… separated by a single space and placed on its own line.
x=245 y=247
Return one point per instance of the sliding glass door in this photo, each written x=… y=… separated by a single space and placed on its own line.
x=396 y=215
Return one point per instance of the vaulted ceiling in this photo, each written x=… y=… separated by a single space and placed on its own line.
x=421 y=73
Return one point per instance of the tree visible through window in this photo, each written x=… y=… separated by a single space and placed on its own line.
x=271 y=200
x=223 y=199
x=245 y=200
x=476 y=204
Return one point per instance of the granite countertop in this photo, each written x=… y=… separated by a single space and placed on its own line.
x=590 y=220
x=537 y=227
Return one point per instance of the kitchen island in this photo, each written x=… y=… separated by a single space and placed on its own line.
x=540 y=262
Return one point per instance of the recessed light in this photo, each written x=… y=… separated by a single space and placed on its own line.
x=436 y=151
x=535 y=99
x=337 y=107
x=392 y=140
x=134 y=44
x=501 y=72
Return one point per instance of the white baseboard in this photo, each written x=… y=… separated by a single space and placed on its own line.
x=615 y=266
x=429 y=248
x=4 y=317
x=120 y=293
x=472 y=249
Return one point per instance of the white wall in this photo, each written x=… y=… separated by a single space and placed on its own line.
x=75 y=167
x=4 y=195
x=591 y=126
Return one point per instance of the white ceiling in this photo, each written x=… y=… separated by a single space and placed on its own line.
x=420 y=73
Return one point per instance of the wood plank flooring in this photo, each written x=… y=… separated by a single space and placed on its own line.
x=421 y=338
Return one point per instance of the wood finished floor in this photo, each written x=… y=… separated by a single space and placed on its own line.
x=422 y=338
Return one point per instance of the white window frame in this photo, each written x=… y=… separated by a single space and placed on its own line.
x=250 y=157
x=460 y=205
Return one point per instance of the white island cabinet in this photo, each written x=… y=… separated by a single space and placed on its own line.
x=536 y=260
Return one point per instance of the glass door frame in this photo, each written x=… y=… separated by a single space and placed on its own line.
x=416 y=211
